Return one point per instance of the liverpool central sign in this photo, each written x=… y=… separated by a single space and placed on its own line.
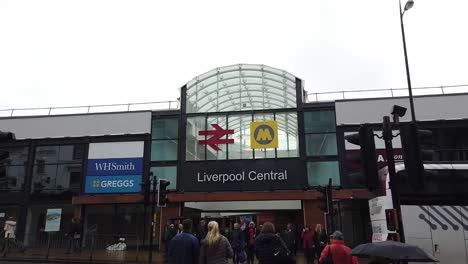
x=244 y=175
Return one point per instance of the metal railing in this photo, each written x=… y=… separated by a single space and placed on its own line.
x=90 y=109
x=381 y=93
x=174 y=105
x=58 y=246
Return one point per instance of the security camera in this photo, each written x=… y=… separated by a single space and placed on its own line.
x=398 y=111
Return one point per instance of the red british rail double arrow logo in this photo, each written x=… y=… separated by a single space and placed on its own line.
x=216 y=134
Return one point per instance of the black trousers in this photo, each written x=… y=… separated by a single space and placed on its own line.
x=235 y=258
x=250 y=254
x=310 y=255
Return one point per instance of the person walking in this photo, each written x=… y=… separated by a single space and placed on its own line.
x=237 y=242
x=169 y=234
x=307 y=237
x=289 y=237
x=268 y=246
x=202 y=230
x=184 y=248
x=74 y=236
x=250 y=233
x=338 y=251
x=10 y=233
x=215 y=248
x=180 y=229
x=320 y=240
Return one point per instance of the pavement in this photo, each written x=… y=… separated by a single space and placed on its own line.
x=97 y=257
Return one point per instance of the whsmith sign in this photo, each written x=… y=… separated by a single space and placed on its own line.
x=243 y=175
x=115 y=167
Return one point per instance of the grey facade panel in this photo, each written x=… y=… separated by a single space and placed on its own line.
x=444 y=107
x=78 y=125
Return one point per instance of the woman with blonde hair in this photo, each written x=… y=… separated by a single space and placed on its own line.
x=321 y=240
x=215 y=248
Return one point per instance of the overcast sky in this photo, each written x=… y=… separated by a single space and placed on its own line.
x=62 y=53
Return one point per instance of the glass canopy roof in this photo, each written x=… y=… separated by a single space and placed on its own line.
x=241 y=87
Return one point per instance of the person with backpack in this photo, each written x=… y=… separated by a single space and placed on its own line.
x=215 y=248
x=337 y=252
x=289 y=237
x=270 y=248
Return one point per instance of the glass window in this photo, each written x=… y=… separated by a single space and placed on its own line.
x=167 y=128
x=167 y=173
x=36 y=221
x=17 y=156
x=12 y=178
x=195 y=151
x=321 y=144
x=319 y=121
x=287 y=135
x=318 y=173
x=59 y=154
x=241 y=147
x=220 y=154
x=241 y=88
x=165 y=134
x=13 y=169
x=164 y=150
x=56 y=178
x=103 y=224
x=57 y=170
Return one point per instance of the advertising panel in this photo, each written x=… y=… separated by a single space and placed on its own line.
x=243 y=175
x=114 y=167
x=53 y=218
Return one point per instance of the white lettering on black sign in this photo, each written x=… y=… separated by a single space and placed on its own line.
x=240 y=177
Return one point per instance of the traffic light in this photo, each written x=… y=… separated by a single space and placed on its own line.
x=392 y=219
x=417 y=144
x=4 y=155
x=6 y=136
x=393 y=236
x=162 y=192
x=368 y=160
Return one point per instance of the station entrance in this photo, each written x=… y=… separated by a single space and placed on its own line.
x=280 y=213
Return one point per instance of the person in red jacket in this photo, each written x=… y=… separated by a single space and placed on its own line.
x=338 y=251
x=308 y=244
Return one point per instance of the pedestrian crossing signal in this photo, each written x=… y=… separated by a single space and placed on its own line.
x=393 y=237
x=392 y=220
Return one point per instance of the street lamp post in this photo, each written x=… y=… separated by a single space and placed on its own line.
x=408 y=5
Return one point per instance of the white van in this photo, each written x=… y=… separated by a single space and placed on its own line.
x=440 y=229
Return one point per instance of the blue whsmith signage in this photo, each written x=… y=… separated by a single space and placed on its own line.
x=115 y=167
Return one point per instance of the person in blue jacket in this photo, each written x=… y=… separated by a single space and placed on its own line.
x=184 y=248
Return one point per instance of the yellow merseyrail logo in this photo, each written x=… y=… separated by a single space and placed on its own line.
x=264 y=135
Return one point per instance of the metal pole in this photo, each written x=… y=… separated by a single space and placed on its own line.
x=394 y=182
x=408 y=78
x=153 y=210
x=331 y=210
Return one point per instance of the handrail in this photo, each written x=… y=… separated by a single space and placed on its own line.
x=390 y=92
x=90 y=109
x=175 y=105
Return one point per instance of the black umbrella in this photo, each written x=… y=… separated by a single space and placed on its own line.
x=394 y=251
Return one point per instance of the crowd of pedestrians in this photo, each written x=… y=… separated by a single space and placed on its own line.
x=244 y=243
